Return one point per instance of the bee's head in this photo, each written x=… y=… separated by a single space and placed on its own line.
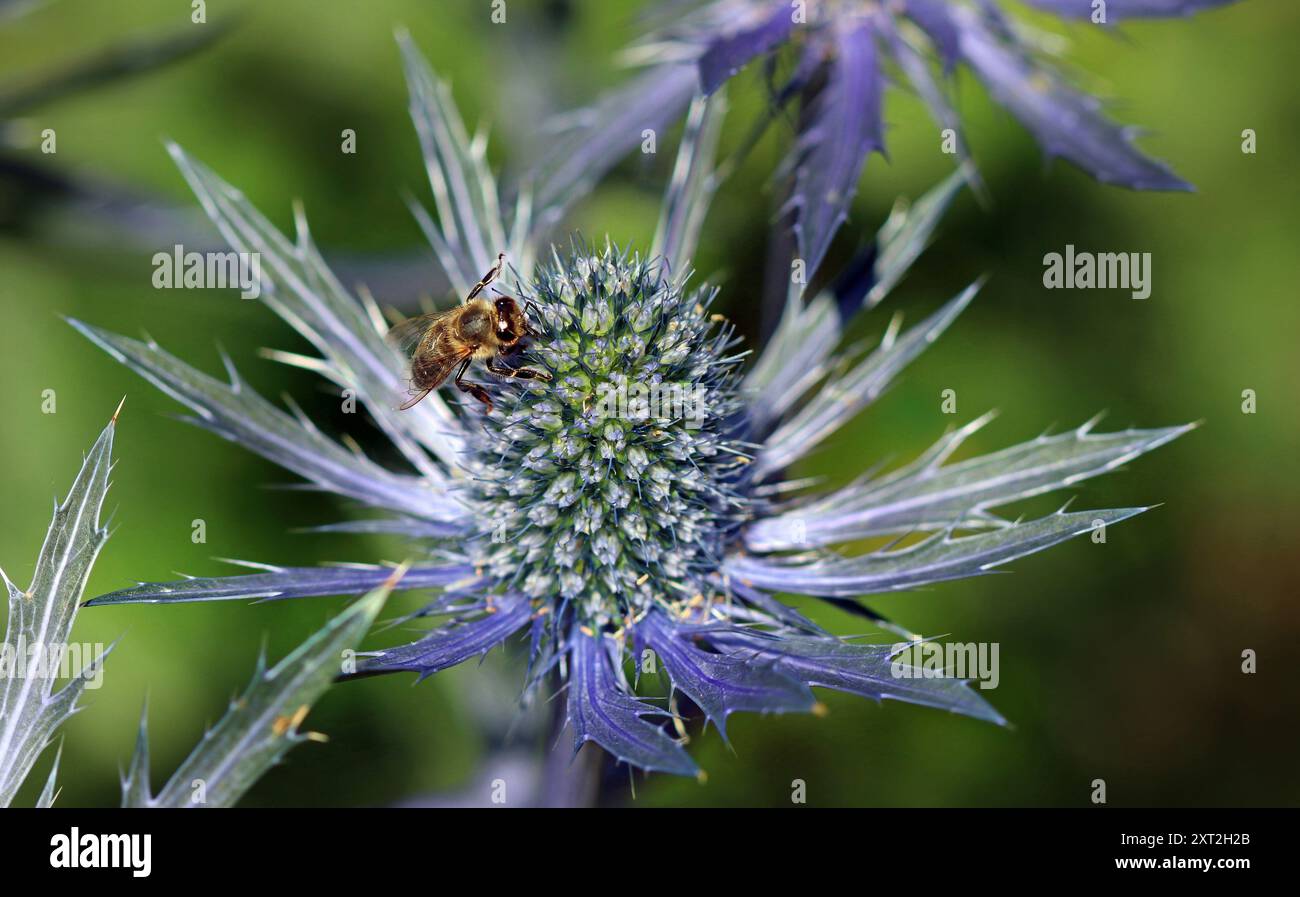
x=507 y=323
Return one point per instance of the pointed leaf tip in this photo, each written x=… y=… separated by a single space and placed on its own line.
x=262 y=725
x=32 y=708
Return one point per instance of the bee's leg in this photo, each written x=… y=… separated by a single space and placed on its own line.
x=473 y=389
x=488 y=277
x=479 y=393
x=520 y=373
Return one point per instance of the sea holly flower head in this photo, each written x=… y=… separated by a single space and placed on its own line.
x=590 y=488
x=639 y=499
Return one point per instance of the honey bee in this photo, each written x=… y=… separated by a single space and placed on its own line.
x=481 y=328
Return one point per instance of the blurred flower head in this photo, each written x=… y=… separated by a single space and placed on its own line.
x=635 y=507
x=831 y=62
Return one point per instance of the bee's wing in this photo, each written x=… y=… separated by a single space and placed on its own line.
x=406 y=336
x=435 y=367
x=430 y=370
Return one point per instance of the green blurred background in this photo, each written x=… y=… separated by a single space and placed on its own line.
x=1119 y=661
